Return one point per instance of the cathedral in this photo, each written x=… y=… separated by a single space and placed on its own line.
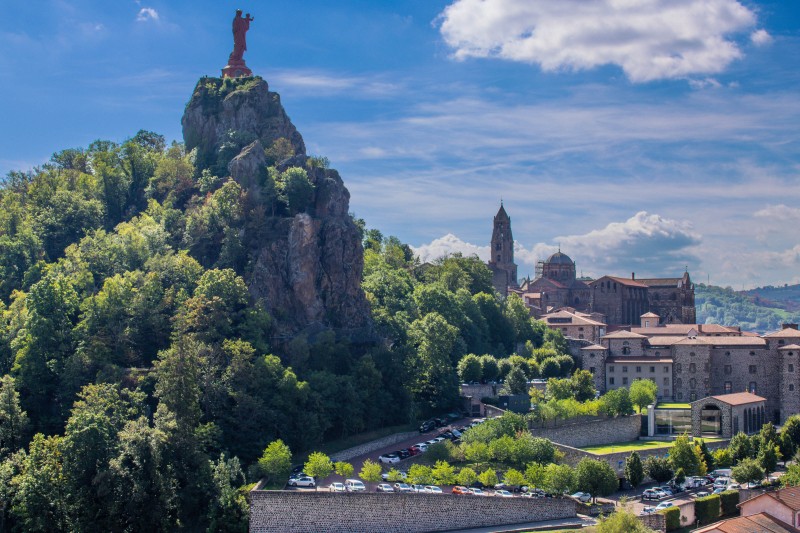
x=621 y=301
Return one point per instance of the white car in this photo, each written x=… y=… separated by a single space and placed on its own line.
x=477 y=492
x=503 y=493
x=384 y=487
x=423 y=447
x=336 y=487
x=582 y=496
x=663 y=505
x=305 y=481
x=402 y=487
x=389 y=458
x=417 y=488
x=354 y=485
x=439 y=439
x=432 y=489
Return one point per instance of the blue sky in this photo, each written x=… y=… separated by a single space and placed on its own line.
x=645 y=136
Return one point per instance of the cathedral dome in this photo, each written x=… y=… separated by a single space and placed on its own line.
x=559 y=259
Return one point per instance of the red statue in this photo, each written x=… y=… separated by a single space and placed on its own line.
x=236 y=67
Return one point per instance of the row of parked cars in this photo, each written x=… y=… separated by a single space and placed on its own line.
x=421 y=447
x=439 y=422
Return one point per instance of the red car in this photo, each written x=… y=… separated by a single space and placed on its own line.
x=461 y=490
x=413 y=450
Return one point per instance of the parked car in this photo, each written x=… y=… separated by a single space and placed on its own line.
x=402 y=487
x=431 y=442
x=389 y=458
x=666 y=490
x=304 y=481
x=421 y=446
x=384 y=487
x=703 y=494
x=440 y=422
x=458 y=489
x=299 y=473
x=475 y=491
x=453 y=416
x=432 y=489
x=456 y=433
x=385 y=475
x=336 y=487
x=664 y=505
x=354 y=485
x=718 y=490
x=652 y=494
x=447 y=435
x=721 y=482
x=648 y=510
x=503 y=493
x=582 y=496
x=733 y=486
x=439 y=439
x=417 y=488
x=427 y=426
x=403 y=454
x=412 y=451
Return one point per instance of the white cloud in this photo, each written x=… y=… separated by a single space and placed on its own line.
x=322 y=83
x=761 y=37
x=146 y=14
x=705 y=83
x=648 y=39
x=449 y=244
x=779 y=212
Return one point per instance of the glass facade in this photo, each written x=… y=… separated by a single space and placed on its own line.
x=673 y=421
x=711 y=422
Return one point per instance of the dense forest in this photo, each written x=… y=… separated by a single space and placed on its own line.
x=748 y=310
x=142 y=380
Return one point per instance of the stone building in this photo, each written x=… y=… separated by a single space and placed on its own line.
x=726 y=415
x=501 y=261
x=702 y=362
x=576 y=325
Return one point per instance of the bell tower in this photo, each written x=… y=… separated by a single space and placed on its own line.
x=501 y=260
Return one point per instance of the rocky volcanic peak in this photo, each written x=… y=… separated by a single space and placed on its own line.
x=307 y=271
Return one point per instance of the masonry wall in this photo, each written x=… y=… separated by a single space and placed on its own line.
x=356 y=451
x=595 y=432
x=324 y=512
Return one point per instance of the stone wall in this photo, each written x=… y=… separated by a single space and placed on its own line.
x=356 y=451
x=655 y=521
x=325 y=512
x=596 y=432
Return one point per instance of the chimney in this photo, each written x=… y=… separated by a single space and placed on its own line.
x=633 y=275
x=788 y=326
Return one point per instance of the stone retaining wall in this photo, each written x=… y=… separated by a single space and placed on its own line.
x=655 y=521
x=325 y=512
x=368 y=447
x=596 y=432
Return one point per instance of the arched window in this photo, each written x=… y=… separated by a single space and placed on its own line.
x=692 y=383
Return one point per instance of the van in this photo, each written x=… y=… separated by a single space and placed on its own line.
x=721 y=472
x=721 y=482
x=354 y=485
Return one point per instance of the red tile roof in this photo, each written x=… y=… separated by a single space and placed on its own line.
x=787 y=332
x=739 y=398
x=757 y=523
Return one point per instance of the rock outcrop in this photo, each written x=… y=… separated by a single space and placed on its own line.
x=307 y=269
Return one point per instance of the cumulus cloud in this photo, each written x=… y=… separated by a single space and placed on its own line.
x=447 y=245
x=648 y=39
x=761 y=37
x=779 y=212
x=147 y=14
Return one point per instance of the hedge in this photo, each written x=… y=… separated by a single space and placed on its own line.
x=672 y=516
x=728 y=501
x=706 y=509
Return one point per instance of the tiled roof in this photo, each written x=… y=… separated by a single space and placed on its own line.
x=623 y=334
x=739 y=398
x=594 y=347
x=757 y=523
x=575 y=319
x=649 y=314
x=661 y=282
x=736 y=341
x=627 y=282
x=789 y=496
x=787 y=332
x=663 y=341
x=790 y=347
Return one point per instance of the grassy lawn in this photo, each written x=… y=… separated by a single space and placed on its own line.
x=673 y=406
x=636 y=445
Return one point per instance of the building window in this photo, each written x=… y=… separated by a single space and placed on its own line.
x=626 y=350
x=728 y=387
x=591 y=369
x=791 y=367
x=624 y=381
x=752 y=353
x=791 y=387
x=591 y=355
x=639 y=369
x=692 y=383
x=611 y=369
x=658 y=354
x=692 y=396
x=691 y=354
x=752 y=387
x=753 y=369
x=692 y=368
x=680 y=396
x=666 y=370
x=679 y=382
x=652 y=369
x=678 y=368
x=727 y=354
x=666 y=381
x=666 y=392
x=780 y=341
x=611 y=381
x=580 y=335
x=706 y=367
x=728 y=369
x=624 y=369
x=580 y=329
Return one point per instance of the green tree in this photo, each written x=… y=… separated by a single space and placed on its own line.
x=38 y=503
x=747 y=471
x=488 y=478
x=343 y=469
x=682 y=455
x=516 y=381
x=768 y=457
x=741 y=447
x=791 y=478
x=658 y=468
x=559 y=389
x=276 y=462
x=295 y=189
x=559 y=479
x=318 y=466
x=489 y=369
x=394 y=475
x=470 y=369
x=622 y=521
x=534 y=474
x=595 y=477
x=583 y=385
x=466 y=477
x=643 y=392
x=514 y=477
x=705 y=453
x=722 y=458
x=443 y=473
x=13 y=420
x=550 y=368
x=616 y=402
x=417 y=474
x=477 y=452
x=434 y=384
x=370 y=471
x=634 y=470
x=680 y=476
x=229 y=510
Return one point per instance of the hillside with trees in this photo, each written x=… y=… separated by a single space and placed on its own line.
x=748 y=310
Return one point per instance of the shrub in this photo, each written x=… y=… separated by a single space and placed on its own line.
x=673 y=517
x=728 y=501
x=706 y=509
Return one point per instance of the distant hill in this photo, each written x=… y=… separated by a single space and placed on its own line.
x=761 y=310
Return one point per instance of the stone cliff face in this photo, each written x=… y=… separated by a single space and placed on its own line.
x=307 y=271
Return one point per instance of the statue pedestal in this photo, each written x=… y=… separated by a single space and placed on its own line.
x=236 y=69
